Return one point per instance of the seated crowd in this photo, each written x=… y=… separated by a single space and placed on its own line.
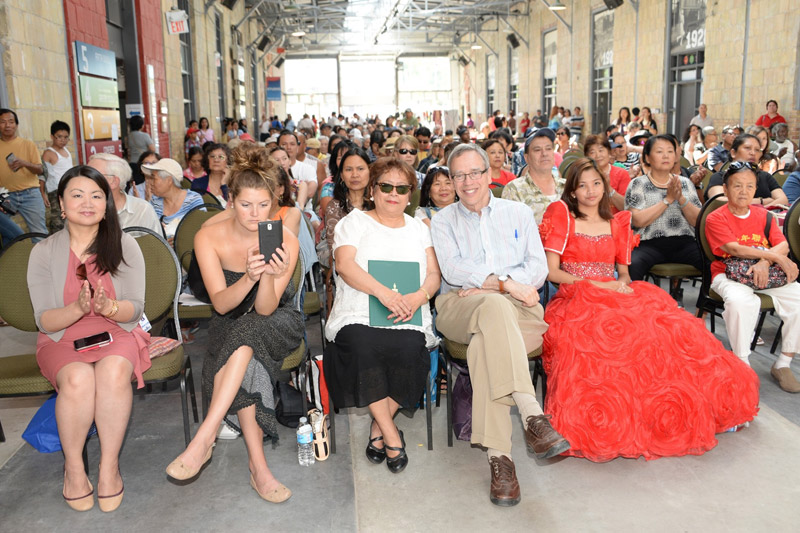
x=507 y=240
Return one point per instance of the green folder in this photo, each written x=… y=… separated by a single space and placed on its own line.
x=402 y=276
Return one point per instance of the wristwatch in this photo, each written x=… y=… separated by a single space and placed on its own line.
x=502 y=280
x=665 y=201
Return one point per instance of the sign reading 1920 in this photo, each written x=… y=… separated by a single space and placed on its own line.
x=95 y=61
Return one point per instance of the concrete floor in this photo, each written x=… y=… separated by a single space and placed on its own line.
x=741 y=485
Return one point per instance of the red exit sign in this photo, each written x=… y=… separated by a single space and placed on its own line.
x=177 y=22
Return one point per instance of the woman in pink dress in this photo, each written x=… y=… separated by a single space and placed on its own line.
x=629 y=373
x=84 y=280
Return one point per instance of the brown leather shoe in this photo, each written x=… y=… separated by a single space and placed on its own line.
x=544 y=441
x=505 y=487
x=785 y=379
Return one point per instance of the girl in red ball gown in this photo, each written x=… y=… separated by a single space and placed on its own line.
x=629 y=373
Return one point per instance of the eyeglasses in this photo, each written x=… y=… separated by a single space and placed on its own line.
x=404 y=151
x=472 y=175
x=386 y=188
x=218 y=157
x=80 y=273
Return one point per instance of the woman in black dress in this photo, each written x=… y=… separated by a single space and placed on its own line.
x=247 y=350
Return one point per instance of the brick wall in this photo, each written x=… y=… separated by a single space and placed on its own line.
x=150 y=19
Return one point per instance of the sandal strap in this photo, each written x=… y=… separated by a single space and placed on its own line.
x=375 y=439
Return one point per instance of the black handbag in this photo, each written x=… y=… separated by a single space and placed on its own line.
x=288 y=404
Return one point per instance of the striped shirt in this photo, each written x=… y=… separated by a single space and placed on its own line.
x=503 y=239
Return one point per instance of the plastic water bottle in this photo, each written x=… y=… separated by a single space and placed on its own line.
x=305 y=451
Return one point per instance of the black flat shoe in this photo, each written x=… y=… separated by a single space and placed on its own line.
x=398 y=463
x=374 y=454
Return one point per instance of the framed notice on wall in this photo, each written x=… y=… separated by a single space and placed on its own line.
x=273 y=89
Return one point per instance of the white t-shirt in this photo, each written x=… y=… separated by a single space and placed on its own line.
x=373 y=240
x=302 y=171
x=138 y=212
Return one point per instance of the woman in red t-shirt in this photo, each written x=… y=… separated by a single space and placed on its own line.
x=739 y=230
x=771 y=116
x=497 y=158
x=598 y=149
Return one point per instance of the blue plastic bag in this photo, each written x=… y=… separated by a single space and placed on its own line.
x=42 y=431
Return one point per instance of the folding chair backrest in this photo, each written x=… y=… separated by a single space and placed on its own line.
x=414 y=203
x=709 y=207
x=187 y=228
x=780 y=176
x=15 y=300
x=162 y=275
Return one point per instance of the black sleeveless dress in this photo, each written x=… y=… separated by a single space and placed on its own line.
x=272 y=339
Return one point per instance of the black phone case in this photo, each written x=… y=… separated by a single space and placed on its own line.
x=270 y=237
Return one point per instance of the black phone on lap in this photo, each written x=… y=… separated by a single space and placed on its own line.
x=92 y=342
x=270 y=237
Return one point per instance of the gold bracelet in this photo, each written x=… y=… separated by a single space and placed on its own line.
x=114 y=309
x=428 y=296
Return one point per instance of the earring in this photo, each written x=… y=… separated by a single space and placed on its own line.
x=371 y=199
x=409 y=203
x=63 y=214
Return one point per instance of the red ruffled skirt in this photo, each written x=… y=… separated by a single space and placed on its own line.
x=632 y=375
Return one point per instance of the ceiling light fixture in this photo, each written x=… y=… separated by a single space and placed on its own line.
x=557 y=6
x=476 y=46
x=299 y=33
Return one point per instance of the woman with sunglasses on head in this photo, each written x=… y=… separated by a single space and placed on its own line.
x=747 y=148
x=438 y=191
x=664 y=208
x=751 y=253
x=255 y=326
x=383 y=368
x=215 y=182
x=629 y=374
x=496 y=151
x=406 y=149
x=84 y=280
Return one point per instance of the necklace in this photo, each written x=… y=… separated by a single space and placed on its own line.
x=657 y=184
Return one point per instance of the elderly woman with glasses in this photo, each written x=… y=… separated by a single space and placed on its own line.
x=215 y=182
x=438 y=191
x=88 y=280
x=751 y=255
x=170 y=201
x=381 y=322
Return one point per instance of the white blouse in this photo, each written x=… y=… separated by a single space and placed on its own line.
x=373 y=240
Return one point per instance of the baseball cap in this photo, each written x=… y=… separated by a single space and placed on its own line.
x=541 y=132
x=169 y=166
x=247 y=137
x=614 y=145
x=192 y=131
x=312 y=143
x=271 y=139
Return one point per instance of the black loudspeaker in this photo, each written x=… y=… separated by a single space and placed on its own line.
x=279 y=64
x=229 y=3
x=463 y=60
x=263 y=43
x=512 y=40
x=612 y=4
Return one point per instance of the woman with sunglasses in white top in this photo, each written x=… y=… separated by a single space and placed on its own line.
x=379 y=360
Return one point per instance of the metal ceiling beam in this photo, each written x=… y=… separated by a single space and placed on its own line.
x=249 y=12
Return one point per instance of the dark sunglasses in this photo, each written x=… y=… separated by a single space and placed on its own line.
x=80 y=272
x=386 y=188
x=736 y=166
x=404 y=151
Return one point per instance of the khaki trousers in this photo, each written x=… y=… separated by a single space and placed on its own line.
x=500 y=332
